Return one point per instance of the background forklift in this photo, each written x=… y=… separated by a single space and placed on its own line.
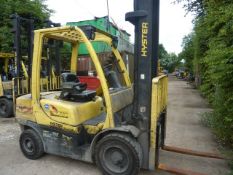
x=23 y=29
x=13 y=66
x=16 y=68
x=122 y=130
x=7 y=63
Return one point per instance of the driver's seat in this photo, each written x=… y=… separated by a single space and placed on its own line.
x=73 y=90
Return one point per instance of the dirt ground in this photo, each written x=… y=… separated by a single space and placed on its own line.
x=184 y=129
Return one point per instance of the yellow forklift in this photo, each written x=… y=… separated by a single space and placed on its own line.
x=121 y=130
x=7 y=83
x=71 y=121
x=7 y=63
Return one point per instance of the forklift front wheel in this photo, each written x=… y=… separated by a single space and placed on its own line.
x=31 y=144
x=118 y=154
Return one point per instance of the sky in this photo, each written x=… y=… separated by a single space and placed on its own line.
x=174 y=23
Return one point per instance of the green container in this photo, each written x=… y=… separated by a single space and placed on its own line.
x=102 y=24
x=99 y=47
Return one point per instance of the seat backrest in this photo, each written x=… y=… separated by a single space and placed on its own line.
x=69 y=77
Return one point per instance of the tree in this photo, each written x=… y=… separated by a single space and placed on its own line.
x=162 y=51
x=194 y=6
x=168 y=61
x=187 y=53
x=209 y=49
x=35 y=9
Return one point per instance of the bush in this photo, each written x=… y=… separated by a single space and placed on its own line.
x=213 y=61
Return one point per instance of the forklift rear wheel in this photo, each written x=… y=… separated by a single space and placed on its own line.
x=118 y=154
x=31 y=144
x=6 y=108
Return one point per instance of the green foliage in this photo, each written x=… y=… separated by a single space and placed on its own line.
x=168 y=61
x=162 y=51
x=210 y=50
x=231 y=166
x=35 y=9
x=188 y=50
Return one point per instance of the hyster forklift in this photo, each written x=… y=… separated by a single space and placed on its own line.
x=121 y=130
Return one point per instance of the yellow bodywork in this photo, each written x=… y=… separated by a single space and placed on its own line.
x=1 y=87
x=6 y=55
x=72 y=114
x=5 y=85
x=54 y=81
x=24 y=107
x=64 y=115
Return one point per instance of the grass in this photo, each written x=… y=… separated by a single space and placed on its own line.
x=206 y=119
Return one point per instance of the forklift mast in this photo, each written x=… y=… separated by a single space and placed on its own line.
x=28 y=24
x=17 y=30
x=145 y=18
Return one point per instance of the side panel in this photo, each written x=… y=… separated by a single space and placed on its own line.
x=70 y=113
x=24 y=108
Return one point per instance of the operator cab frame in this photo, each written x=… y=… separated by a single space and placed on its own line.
x=75 y=36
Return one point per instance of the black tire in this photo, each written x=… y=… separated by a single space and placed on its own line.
x=6 y=108
x=31 y=144
x=118 y=154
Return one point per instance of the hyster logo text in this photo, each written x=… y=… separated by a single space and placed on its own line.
x=144 y=48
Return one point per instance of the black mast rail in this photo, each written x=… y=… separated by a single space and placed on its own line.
x=17 y=24
x=145 y=18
